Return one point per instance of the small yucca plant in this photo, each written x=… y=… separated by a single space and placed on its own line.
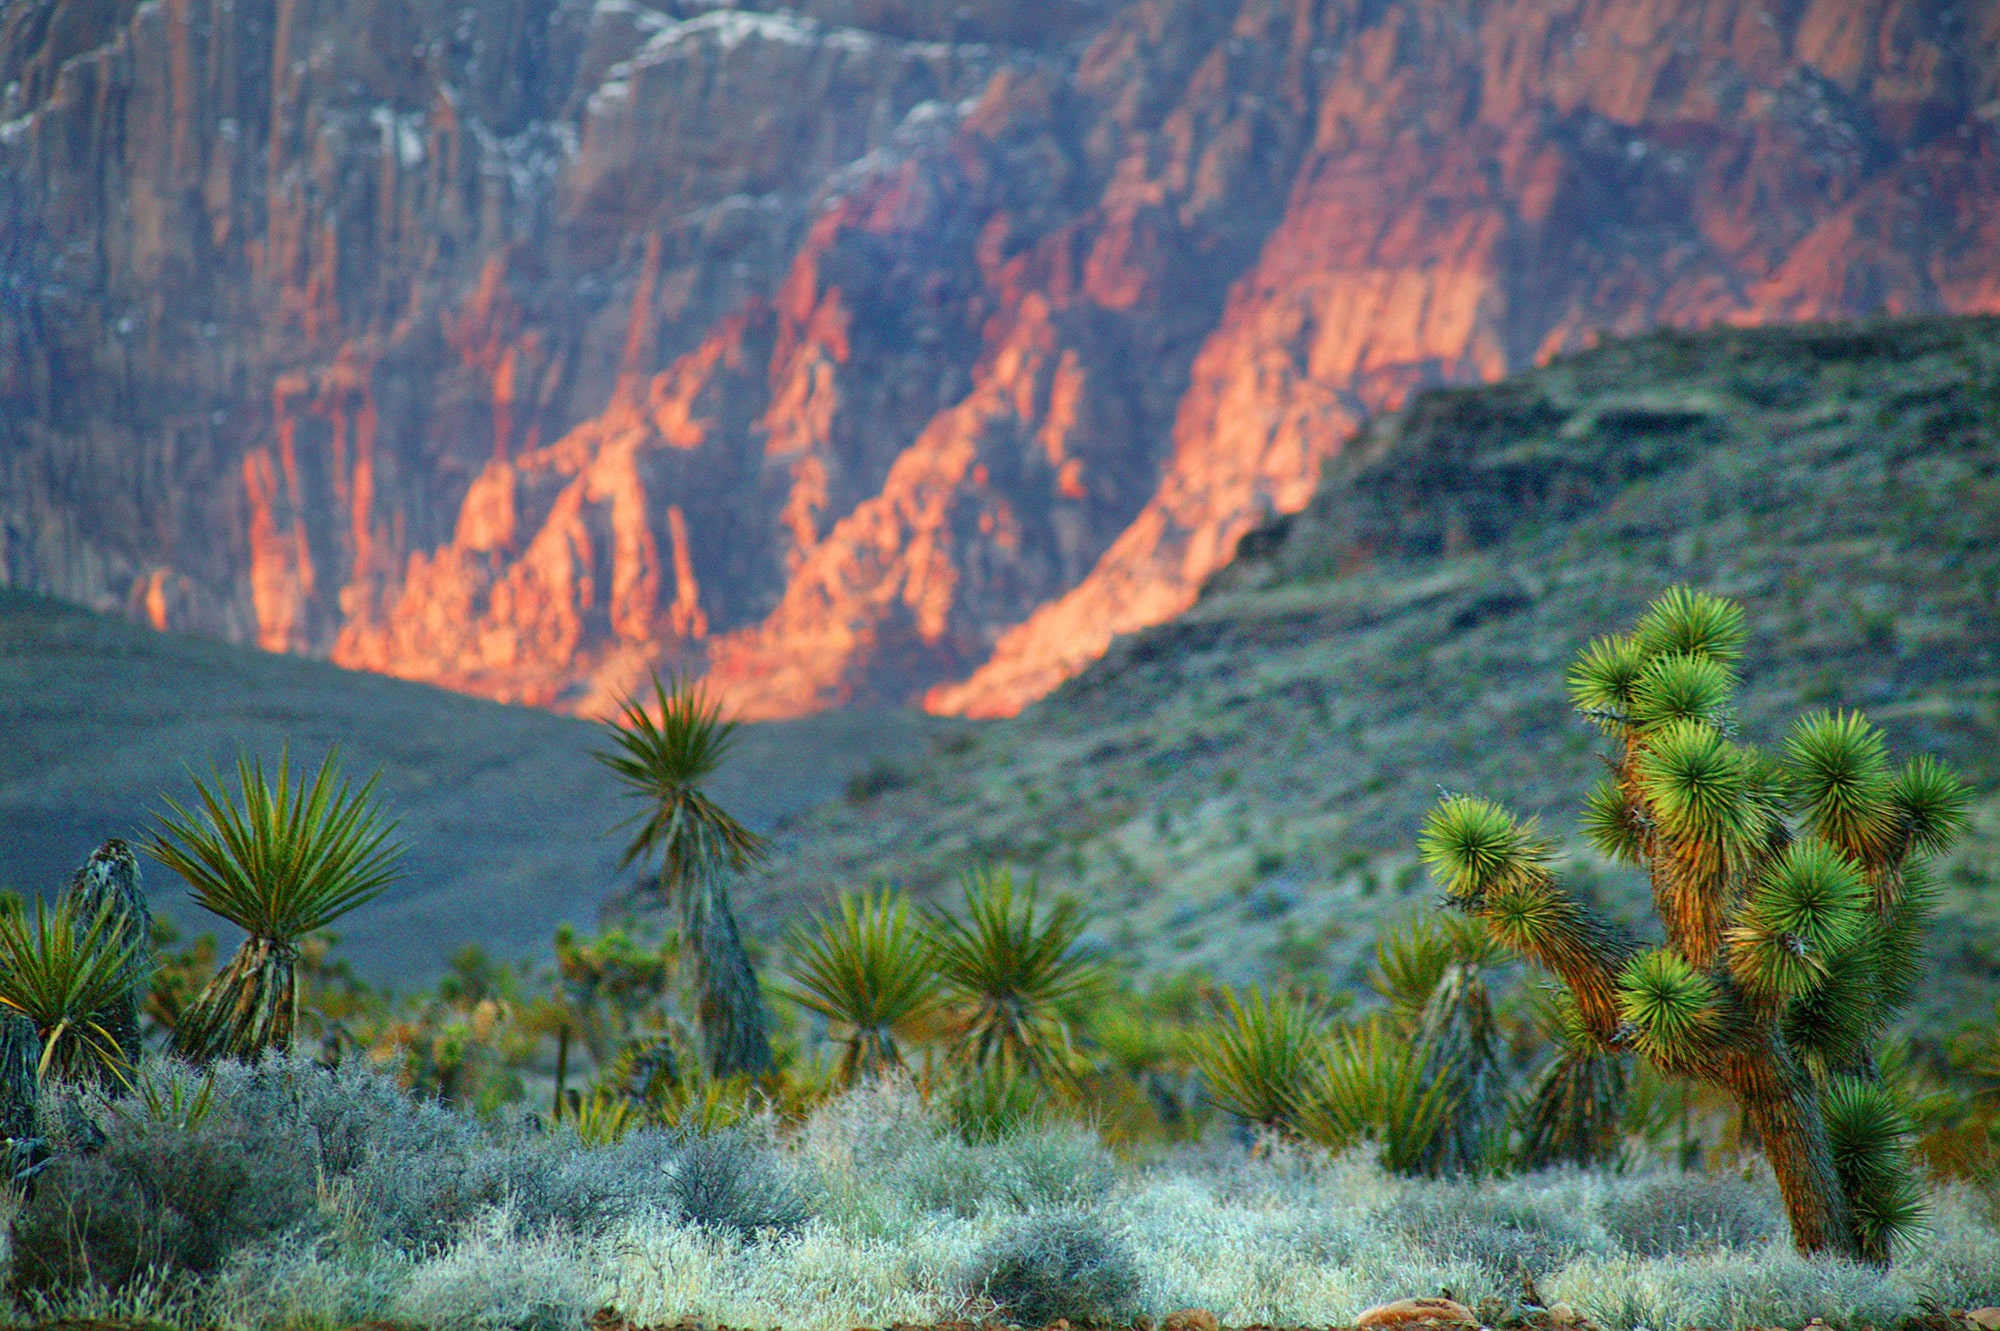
x=867 y=967
x=279 y=860
x=1574 y=1112
x=663 y=756
x=64 y=973
x=1789 y=888
x=1375 y=1084
x=1008 y=969
x=1259 y=1059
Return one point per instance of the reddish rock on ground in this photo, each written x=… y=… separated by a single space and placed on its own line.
x=899 y=350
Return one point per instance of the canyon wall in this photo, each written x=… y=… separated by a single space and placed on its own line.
x=868 y=350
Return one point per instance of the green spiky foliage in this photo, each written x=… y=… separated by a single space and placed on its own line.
x=866 y=967
x=62 y=972
x=279 y=860
x=1258 y=1058
x=1432 y=971
x=109 y=881
x=1008 y=970
x=1374 y=1084
x=663 y=755
x=1790 y=891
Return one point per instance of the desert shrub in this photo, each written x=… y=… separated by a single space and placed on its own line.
x=729 y=1182
x=496 y=1277
x=1500 y=1229
x=1059 y=1264
x=1060 y=1167
x=551 y=1183
x=178 y=1194
x=1691 y=1213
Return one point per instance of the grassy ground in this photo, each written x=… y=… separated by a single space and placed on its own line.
x=508 y=819
x=1240 y=790
x=359 y=1205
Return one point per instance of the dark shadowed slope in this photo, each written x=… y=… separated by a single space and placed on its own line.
x=506 y=816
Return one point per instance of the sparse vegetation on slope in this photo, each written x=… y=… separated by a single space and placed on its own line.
x=1241 y=790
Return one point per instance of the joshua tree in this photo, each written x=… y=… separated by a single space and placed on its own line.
x=278 y=862
x=866 y=967
x=664 y=761
x=1789 y=891
x=109 y=879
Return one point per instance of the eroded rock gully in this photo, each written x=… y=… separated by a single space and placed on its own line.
x=869 y=350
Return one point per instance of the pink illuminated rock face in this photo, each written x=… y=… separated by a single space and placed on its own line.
x=883 y=351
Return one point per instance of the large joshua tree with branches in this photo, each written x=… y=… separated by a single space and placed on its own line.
x=663 y=755
x=1788 y=886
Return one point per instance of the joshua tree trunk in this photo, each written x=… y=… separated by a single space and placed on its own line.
x=729 y=1005
x=1781 y=1105
x=111 y=874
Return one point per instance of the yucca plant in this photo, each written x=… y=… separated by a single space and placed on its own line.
x=1375 y=1084
x=109 y=880
x=1788 y=886
x=1574 y=1112
x=1008 y=969
x=865 y=966
x=63 y=973
x=279 y=860
x=1432 y=971
x=1260 y=1056
x=663 y=756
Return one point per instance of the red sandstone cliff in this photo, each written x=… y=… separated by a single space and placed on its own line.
x=879 y=351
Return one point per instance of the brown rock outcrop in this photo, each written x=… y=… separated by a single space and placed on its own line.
x=877 y=349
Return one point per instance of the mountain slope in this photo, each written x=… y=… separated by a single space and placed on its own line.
x=877 y=349
x=1242 y=788
x=506 y=817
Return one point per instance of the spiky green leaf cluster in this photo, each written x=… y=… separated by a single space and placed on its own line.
x=1698 y=784
x=1672 y=1006
x=1869 y=1132
x=1009 y=968
x=1473 y=846
x=662 y=756
x=1258 y=1056
x=1609 y=824
x=1681 y=689
x=866 y=966
x=1412 y=957
x=1375 y=1084
x=1685 y=622
x=1805 y=910
x=61 y=972
x=1931 y=803
x=1839 y=766
x=281 y=859
x=1604 y=679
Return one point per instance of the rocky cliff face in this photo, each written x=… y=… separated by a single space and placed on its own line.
x=868 y=350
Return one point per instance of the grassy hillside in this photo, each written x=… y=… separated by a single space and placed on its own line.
x=1241 y=789
x=506 y=815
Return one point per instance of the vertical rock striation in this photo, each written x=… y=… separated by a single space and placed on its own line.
x=872 y=349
